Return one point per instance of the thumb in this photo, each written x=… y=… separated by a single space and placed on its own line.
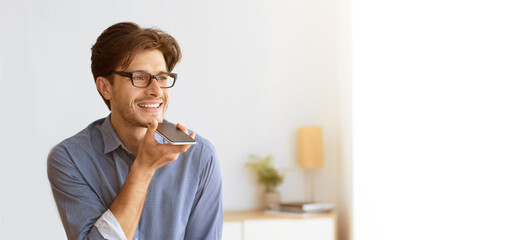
x=150 y=133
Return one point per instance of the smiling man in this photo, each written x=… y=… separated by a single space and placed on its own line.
x=117 y=178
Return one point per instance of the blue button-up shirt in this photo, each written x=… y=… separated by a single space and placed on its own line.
x=87 y=171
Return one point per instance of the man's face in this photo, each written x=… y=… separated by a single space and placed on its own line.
x=139 y=106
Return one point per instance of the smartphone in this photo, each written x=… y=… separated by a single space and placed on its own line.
x=174 y=135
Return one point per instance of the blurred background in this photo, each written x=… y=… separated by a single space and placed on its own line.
x=417 y=102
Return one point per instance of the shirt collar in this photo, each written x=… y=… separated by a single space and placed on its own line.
x=110 y=138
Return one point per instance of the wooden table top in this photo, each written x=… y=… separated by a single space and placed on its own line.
x=233 y=216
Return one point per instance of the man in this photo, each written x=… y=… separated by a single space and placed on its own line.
x=117 y=179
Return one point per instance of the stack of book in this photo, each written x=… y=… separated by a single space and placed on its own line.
x=301 y=207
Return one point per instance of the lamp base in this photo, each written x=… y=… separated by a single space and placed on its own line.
x=310 y=172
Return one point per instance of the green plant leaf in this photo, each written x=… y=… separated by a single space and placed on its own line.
x=267 y=175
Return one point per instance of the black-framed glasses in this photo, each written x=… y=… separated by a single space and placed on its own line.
x=143 y=79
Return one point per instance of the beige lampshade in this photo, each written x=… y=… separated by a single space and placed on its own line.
x=310 y=147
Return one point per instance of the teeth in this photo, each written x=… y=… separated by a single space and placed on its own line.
x=149 y=105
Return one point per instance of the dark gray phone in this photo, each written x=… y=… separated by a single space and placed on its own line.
x=174 y=135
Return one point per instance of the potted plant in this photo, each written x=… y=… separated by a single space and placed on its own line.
x=268 y=176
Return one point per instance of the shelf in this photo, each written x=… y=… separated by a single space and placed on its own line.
x=230 y=216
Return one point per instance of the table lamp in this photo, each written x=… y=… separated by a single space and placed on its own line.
x=310 y=148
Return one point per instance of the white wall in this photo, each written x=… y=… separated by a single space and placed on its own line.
x=435 y=119
x=256 y=70
x=345 y=168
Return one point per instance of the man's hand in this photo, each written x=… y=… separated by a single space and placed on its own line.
x=153 y=155
x=127 y=206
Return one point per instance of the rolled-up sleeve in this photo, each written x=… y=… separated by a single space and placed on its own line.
x=109 y=227
x=79 y=206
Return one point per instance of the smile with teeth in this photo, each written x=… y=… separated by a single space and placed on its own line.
x=149 y=105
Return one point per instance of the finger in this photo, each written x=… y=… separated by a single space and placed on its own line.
x=181 y=127
x=150 y=133
x=184 y=129
x=184 y=148
x=171 y=157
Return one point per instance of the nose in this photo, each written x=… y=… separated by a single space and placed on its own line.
x=154 y=87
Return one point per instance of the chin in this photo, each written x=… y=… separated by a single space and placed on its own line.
x=158 y=118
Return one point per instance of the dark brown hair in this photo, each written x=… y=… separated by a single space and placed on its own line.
x=118 y=45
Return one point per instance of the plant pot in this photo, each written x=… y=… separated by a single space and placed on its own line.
x=271 y=200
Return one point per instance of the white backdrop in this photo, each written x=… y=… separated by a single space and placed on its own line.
x=252 y=72
x=435 y=119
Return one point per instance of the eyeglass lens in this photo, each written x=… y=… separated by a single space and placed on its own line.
x=141 y=79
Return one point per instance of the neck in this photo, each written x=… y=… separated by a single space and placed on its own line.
x=129 y=134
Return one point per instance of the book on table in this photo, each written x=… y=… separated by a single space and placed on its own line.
x=305 y=207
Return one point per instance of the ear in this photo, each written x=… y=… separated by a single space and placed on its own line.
x=104 y=87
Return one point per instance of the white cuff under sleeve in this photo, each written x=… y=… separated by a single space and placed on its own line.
x=109 y=227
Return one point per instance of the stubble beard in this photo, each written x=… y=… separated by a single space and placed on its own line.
x=132 y=118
